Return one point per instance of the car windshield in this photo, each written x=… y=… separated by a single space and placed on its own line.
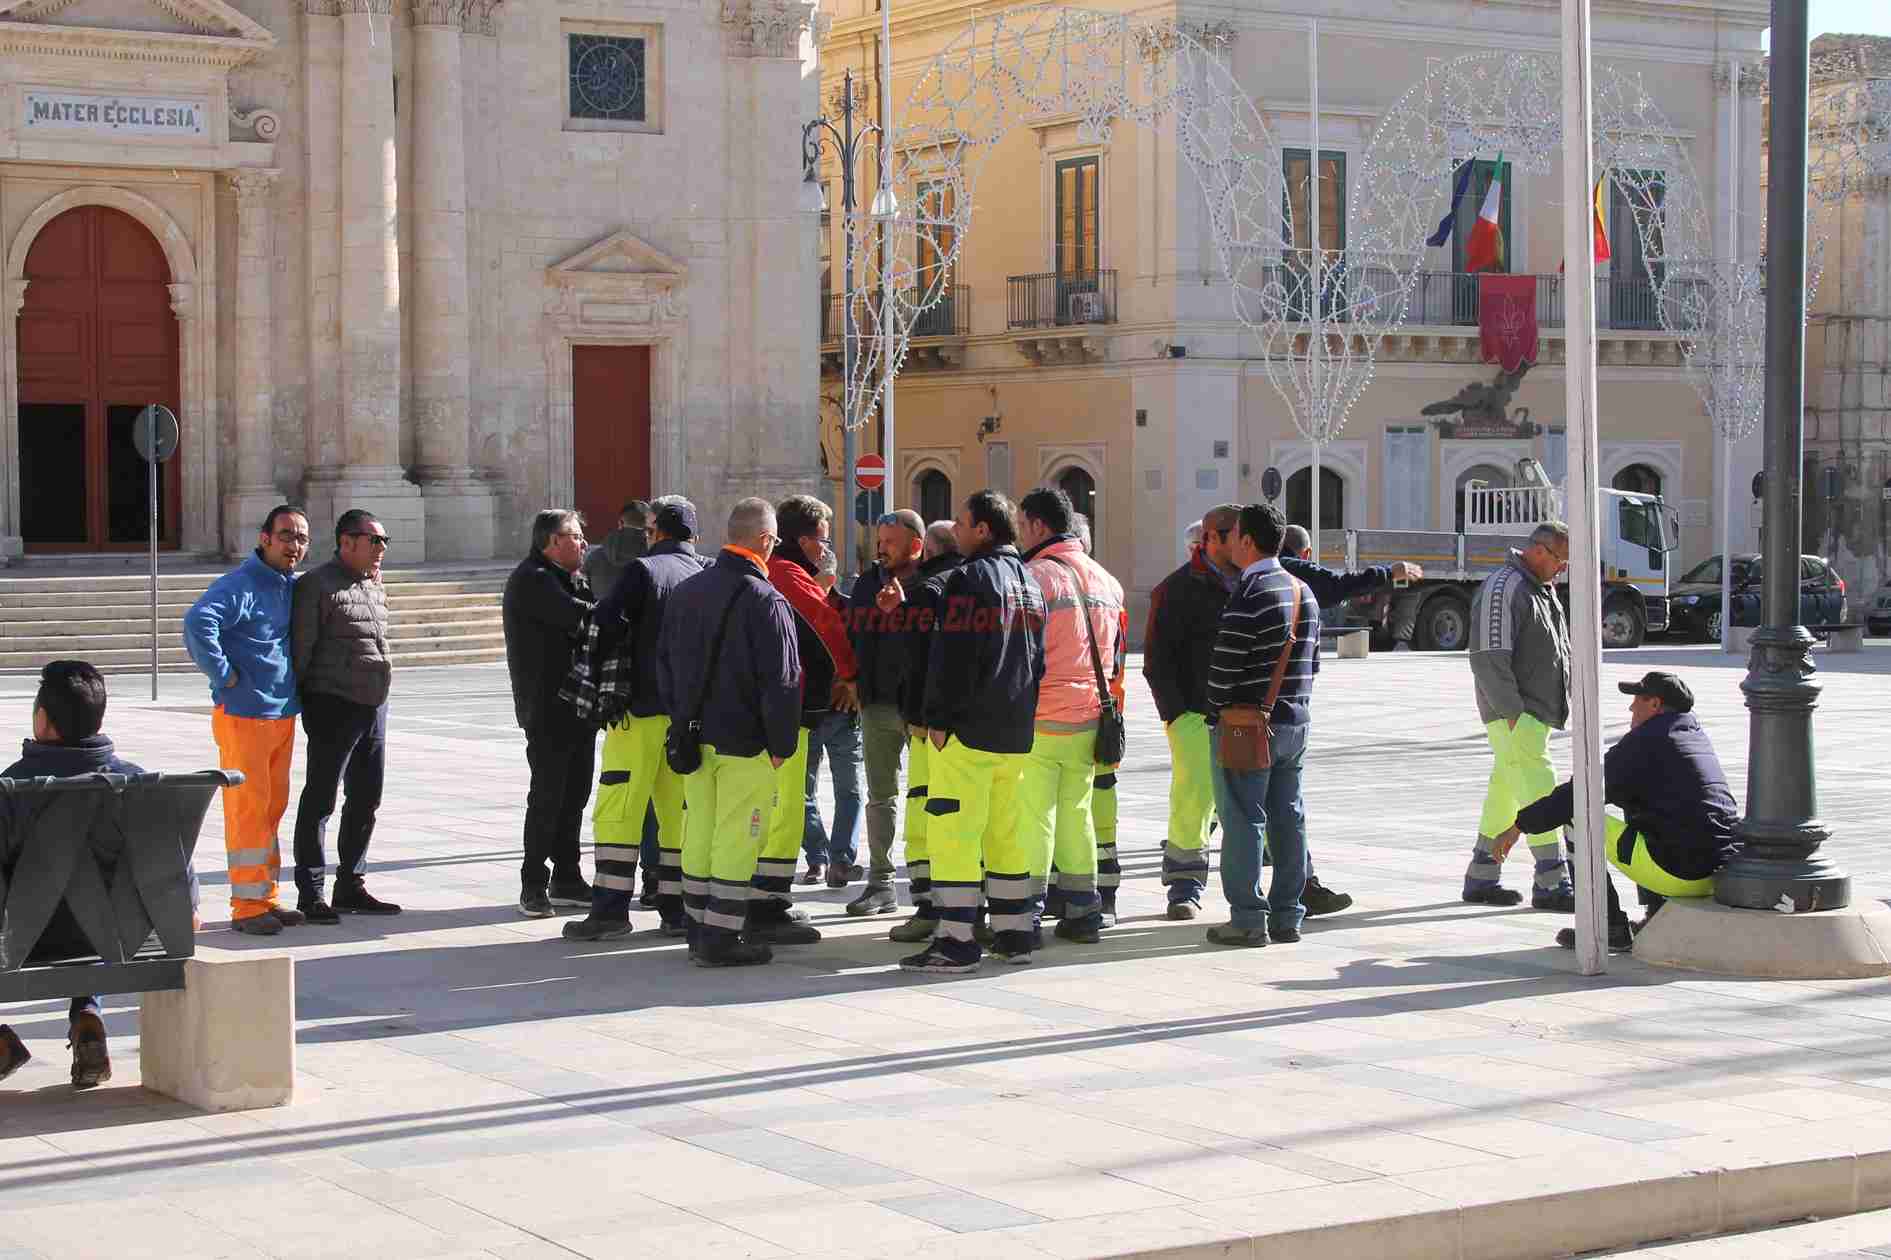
x=1744 y=571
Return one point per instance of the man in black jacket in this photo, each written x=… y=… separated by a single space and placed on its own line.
x=748 y=701
x=68 y=711
x=545 y=601
x=879 y=650
x=1677 y=813
x=915 y=613
x=983 y=670
x=636 y=779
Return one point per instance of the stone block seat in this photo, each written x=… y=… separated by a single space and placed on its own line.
x=1841 y=636
x=109 y=856
x=1346 y=642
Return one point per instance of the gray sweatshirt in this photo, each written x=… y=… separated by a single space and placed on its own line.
x=1519 y=648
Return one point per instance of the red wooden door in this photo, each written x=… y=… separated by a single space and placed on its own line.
x=98 y=342
x=610 y=403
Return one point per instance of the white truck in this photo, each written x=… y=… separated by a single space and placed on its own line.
x=1638 y=531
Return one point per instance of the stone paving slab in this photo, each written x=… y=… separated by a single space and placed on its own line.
x=1418 y=1077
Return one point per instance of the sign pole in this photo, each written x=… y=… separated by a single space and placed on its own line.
x=151 y=472
x=1585 y=580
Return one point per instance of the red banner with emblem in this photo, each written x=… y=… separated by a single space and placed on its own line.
x=1506 y=316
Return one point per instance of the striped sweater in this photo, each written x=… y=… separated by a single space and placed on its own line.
x=1253 y=633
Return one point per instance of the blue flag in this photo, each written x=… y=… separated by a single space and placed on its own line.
x=1458 y=190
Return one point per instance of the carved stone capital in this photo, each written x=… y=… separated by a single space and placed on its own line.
x=321 y=8
x=263 y=124
x=16 y=295
x=380 y=8
x=765 y=28
x=477 y=17
x=251 y=184
x=183 y=301
x=436 y=12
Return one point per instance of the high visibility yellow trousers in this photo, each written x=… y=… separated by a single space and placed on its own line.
x=972 y=836
x=781 y=845
x=727 y=804
x=636 y=777
x=1054 y=821
x=918 y=791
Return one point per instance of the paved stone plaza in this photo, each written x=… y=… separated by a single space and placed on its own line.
x=1416 y=1078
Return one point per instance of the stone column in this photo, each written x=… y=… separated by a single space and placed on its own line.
x=459 y=505
x=369 y=474
x=252 y=333
x=321 y=80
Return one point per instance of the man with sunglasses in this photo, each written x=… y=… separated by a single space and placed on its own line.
x=343 y=670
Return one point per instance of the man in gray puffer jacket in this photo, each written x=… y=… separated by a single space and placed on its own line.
x=339 y=644
x=1520 y=665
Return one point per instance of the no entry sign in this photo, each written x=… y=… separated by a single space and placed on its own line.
x=870 y=472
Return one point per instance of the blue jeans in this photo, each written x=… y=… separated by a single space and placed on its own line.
x=1264 y=802
x=838 y=736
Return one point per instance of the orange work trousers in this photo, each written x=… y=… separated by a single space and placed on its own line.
x=260 y=748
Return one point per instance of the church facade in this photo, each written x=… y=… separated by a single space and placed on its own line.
x=452 y=261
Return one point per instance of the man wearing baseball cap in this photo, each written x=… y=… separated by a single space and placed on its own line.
x=1672 y=822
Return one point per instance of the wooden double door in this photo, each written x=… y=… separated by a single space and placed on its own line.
x=610 y=405
x=98 y=342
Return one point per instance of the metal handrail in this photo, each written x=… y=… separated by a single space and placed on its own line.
x=1061 y=298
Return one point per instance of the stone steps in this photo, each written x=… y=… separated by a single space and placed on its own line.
x=449 y=615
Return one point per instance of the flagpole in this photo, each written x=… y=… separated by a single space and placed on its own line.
x=1585 y=585
x=1316 y=343
x=1724 y=422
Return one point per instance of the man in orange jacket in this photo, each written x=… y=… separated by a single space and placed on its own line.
x=828 y=672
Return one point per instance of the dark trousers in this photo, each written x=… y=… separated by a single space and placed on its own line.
x=562 y=756
x=347 y=753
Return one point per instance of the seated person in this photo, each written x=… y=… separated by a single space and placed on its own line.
x=67 y=715
x=1677 y=814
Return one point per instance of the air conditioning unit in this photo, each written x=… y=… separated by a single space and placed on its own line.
x=1087 y=308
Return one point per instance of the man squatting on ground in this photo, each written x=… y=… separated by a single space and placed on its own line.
x=1083 y=606
x=68 y=712
x=875 y=624
x=1271 y=616
x=636 y=779
x=1520 y=668
x=238 y=636
x=546 y=599
x=912 y=614
x=343 y=672
x=1674 y=817
x=983 y=671
x=827 y=686
x=727 y=653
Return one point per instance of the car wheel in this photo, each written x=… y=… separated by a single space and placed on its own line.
x=1444 y=623
x=1710 y=628
x=1622 y=624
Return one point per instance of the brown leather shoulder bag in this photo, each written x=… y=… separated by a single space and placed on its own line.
x=1244 y=739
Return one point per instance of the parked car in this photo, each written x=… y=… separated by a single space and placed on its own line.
x=1878 y=612
x=1694 y=604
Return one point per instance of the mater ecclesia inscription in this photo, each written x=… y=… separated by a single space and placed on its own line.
x=115 y=115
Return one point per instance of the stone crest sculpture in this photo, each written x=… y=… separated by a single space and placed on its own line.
x=1480 y=410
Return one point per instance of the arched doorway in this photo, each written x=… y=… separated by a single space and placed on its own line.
x=1082 y=489
x=1489 y=474
x=935 y=496
x=1332 y=498
x=1637 y=479
x=97 y=343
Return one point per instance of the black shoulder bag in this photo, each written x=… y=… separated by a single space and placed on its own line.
x=1111 y=732
x=683 y=746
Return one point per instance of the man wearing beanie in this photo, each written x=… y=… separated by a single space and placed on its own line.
x=636 y=778
x=1672 y=817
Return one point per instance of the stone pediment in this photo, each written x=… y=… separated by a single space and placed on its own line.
x=618 y=279
x=205 y=31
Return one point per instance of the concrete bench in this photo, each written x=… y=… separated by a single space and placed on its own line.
x=115 y=851
x=1847 y=636
x=1349 y=643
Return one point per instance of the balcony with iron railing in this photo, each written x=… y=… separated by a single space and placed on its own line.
x=934 y=332
x=1061 y=299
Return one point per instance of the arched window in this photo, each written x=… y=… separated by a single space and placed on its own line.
x=1332 y=498
x=1638 y=479
x=1489 y=474
x=935 y=496
x=1082 y=489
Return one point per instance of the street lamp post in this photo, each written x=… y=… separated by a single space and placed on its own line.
x=1779 y=866
x=848 y=142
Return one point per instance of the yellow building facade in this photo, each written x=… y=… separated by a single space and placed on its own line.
x=1089 y=339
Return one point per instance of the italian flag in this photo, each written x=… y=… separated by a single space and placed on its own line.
x=1485 y=250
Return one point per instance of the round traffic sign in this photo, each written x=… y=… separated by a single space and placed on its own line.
x=1270 y=483
x=870 y=472
x=1759 y=485
x=154 y=433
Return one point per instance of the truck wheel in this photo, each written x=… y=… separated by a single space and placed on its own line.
x=1444 y=624
x=1622 y=624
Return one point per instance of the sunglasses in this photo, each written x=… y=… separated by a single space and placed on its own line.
x=378 y=540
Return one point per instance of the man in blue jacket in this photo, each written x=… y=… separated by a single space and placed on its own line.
x=985 y=663
x=1677 y=814
x=748 y=701
x=238 y=635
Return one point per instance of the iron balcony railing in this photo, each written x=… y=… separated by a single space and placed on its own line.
x=950 y=316
x=1442 y=298
x=1059 y=298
